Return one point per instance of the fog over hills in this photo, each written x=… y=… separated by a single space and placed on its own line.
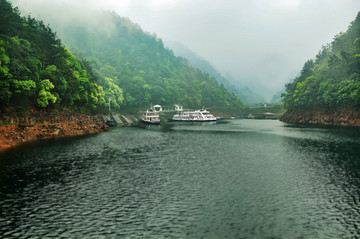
x=233 y=85
x=121 y=53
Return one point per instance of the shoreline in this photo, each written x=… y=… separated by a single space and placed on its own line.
x=325 y=117
x=36 y=125
x=31 y=129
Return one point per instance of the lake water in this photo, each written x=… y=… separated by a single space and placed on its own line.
x=230 y=179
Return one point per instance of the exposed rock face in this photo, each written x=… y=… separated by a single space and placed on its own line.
x=36 y=125
x=341 y=117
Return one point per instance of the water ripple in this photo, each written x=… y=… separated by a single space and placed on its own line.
x=198 y=181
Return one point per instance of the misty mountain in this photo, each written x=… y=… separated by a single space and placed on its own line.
x=245 y=94
x=137 y=62
x=277 y=99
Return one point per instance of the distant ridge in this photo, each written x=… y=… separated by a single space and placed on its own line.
x=233 y=85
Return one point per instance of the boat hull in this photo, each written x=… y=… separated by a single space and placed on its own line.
x=150 y=122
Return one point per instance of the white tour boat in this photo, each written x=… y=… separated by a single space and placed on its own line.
x=194 y=116
x=151 y=117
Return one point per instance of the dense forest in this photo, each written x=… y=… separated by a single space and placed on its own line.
x=125 y=64
x=332 y=79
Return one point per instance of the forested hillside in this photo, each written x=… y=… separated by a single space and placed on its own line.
x=125 y=64
x=36 y=70
x=332 y=79
x=138 y=63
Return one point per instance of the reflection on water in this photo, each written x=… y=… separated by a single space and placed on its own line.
x=230 y=179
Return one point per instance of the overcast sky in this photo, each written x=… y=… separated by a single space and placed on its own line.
x=262 y=43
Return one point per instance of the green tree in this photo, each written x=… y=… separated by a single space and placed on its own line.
x=45 y=96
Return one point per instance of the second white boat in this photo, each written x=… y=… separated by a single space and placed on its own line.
x=194 y=116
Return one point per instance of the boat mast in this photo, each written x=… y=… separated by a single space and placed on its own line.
x=109 y=105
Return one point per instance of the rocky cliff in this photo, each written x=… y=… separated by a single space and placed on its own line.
x=341 y=117
x=34 y=125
